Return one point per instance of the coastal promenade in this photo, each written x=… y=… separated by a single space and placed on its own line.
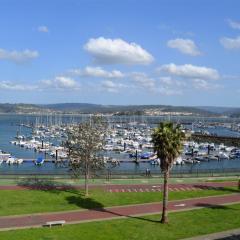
x=128 y=211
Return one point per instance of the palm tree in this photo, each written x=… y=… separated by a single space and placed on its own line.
x=167 y=140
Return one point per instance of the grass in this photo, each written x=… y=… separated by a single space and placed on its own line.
x=153 y=180
x=14 y=202
x=182 y=225
x=223 y=180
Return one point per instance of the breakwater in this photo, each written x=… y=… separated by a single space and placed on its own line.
x=228 y=141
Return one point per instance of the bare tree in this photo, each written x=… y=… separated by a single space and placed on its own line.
x=85 y=143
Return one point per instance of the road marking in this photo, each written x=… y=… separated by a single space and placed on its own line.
x=179 y=180
x=180 y=205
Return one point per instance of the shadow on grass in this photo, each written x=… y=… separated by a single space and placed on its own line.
x=85 y=202
x=232 y=237
x=224 y=189
x=213 y=206
x=47 y=185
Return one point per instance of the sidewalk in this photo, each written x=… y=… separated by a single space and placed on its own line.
x=226 y=235
x=37 y=220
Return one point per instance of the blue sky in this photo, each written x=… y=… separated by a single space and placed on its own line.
x=178 y=52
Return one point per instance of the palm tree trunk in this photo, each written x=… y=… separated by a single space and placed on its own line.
x=165 y=198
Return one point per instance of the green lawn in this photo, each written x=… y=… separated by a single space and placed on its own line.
x=37 y=201
x=182 y=225
x=151 y=180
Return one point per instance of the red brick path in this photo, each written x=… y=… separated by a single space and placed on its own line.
x=113 y=212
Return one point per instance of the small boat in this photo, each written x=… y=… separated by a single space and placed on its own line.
x=4 y=156
x=211 y=157
x=39 y=161
x=223 y=155
x=190 y=161
x=146 y=155
x=201 y=159
x=18 y=161
x=10 y=160
x=155 y=162
x=179 y=161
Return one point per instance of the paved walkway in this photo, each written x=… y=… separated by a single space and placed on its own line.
x=37 y=220
x=226 y=235
x=129 y=187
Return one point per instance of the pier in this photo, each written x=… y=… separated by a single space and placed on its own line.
x=228 y=141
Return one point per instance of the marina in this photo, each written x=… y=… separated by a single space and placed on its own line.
x=35 y=145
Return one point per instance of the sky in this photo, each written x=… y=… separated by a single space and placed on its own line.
x=127 y=52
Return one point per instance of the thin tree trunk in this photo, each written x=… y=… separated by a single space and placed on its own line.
x=165 y=198
x=86 y=179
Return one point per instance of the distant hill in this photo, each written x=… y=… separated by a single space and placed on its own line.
x=124 y=109
x=221 y=110
x=228 y=111
x=235 y=113
x=81 y=107
x=114 y=109
x=20 y=108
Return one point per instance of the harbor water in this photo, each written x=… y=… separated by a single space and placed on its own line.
x=11 y=125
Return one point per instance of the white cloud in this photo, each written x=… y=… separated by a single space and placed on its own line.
x=168 y=81
x=169 y=91
x=233 y=24
x=190 y=71
x=96 y=72
x=43 y=29
x=65 y=82
x=143 y=81
x=186 y=46
x=117 y=51
x=230 y=43
x=163 y=85
x=6 y=85
x=204 y=85
x=61 y=82
x=17 y=56
x=111 y=86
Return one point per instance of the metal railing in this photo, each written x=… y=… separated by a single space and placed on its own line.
x=128 y=174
